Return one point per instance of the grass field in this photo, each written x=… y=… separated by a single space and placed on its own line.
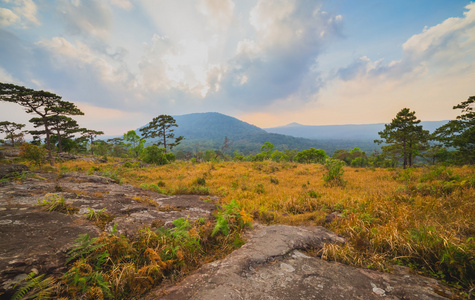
x=423 y=218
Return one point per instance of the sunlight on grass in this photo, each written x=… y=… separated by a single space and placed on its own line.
x=422 y=218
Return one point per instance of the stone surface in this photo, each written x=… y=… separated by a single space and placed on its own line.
x=31 y=238
x=7 y=170
x=271 y=266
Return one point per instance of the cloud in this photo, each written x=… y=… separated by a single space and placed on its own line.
x=124 y=4
x=28 y=10
x=7 y=17
x=20 y=9
x=218 y=13
x=88 y=18
x=446 y=47
x=289 y=36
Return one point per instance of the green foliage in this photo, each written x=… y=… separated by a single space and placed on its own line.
x=95 y=215
x=231 y=218
x=404 y=138
x=155 y=155
x=54 y=202
x=460 y=133
x=311 y=155
x=33 y=153
x=161 y=127
x=34 y=287
x=10 y=129
x=335 y=172
x=441 y=258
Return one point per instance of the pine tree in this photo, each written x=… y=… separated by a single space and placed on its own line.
x=404 y=138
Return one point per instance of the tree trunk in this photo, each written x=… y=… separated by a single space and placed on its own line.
x=48 y=143
x=164 y=139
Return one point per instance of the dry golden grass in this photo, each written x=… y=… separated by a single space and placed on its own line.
x=420 y=217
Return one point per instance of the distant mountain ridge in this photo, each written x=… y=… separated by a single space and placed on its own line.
x=205 y=131
x=347 y=132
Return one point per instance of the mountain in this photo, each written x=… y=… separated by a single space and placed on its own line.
x=342 y=132
x=205 y=131
x=214 y=126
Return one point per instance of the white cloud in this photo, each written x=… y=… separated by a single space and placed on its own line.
x=6 y=77
x=124 y=4
x=81 y=56
x=87 y=17
x=7 y=17
x=27 y=9
x=218 y=13
x=435 y=73
x=167 y=65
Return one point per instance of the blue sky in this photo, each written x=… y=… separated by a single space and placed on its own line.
x=266 y=62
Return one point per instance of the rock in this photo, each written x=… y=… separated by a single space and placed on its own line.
x=271 y=266
x=8 y=170
x=31 y=238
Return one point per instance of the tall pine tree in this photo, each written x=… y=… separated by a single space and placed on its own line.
x=404 y=138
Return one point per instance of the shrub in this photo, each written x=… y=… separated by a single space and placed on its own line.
x=155 y=155
x=335 y=172
x=33 y=153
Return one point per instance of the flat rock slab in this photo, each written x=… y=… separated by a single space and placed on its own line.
x=34 y=239
x=270 y=266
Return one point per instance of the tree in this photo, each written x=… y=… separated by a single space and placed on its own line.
x=42 y=103
x=404 y=137
x=311 y=155
x=90 y=135
x=161 y=127
x=460 y=133
x=62 y=127
x=9 y=128
x=134 y=140
x=267 y=149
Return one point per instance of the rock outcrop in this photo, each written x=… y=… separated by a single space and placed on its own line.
x=271 y=265
x=34 y=239
x=9 y=170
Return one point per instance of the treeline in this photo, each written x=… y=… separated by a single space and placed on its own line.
x=403 y=140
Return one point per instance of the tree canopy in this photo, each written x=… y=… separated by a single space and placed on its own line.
x=404 y=138
x=162 y=127
x=460 y=133
x=42 y=103
x=10 y=129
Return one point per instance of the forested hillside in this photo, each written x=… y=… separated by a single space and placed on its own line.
x=204 y=131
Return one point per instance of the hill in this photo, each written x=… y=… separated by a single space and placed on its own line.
x=205 y=131
x=341 y=132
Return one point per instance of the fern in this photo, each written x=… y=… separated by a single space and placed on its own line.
x=34 y=287
x=221 y=225
x=84 y=246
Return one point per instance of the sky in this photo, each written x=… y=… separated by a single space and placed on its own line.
x=265 y=62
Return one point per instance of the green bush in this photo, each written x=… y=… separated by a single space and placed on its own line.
x=335 y=172
x=33 y=153
x=155 y=155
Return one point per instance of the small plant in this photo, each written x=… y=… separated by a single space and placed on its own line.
x=232 y=217
x=200 y=181
x=335 y=172
x=274 y=180
x=54 y=202
x=34 y=287
x=94 y=215
x=260 y=188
